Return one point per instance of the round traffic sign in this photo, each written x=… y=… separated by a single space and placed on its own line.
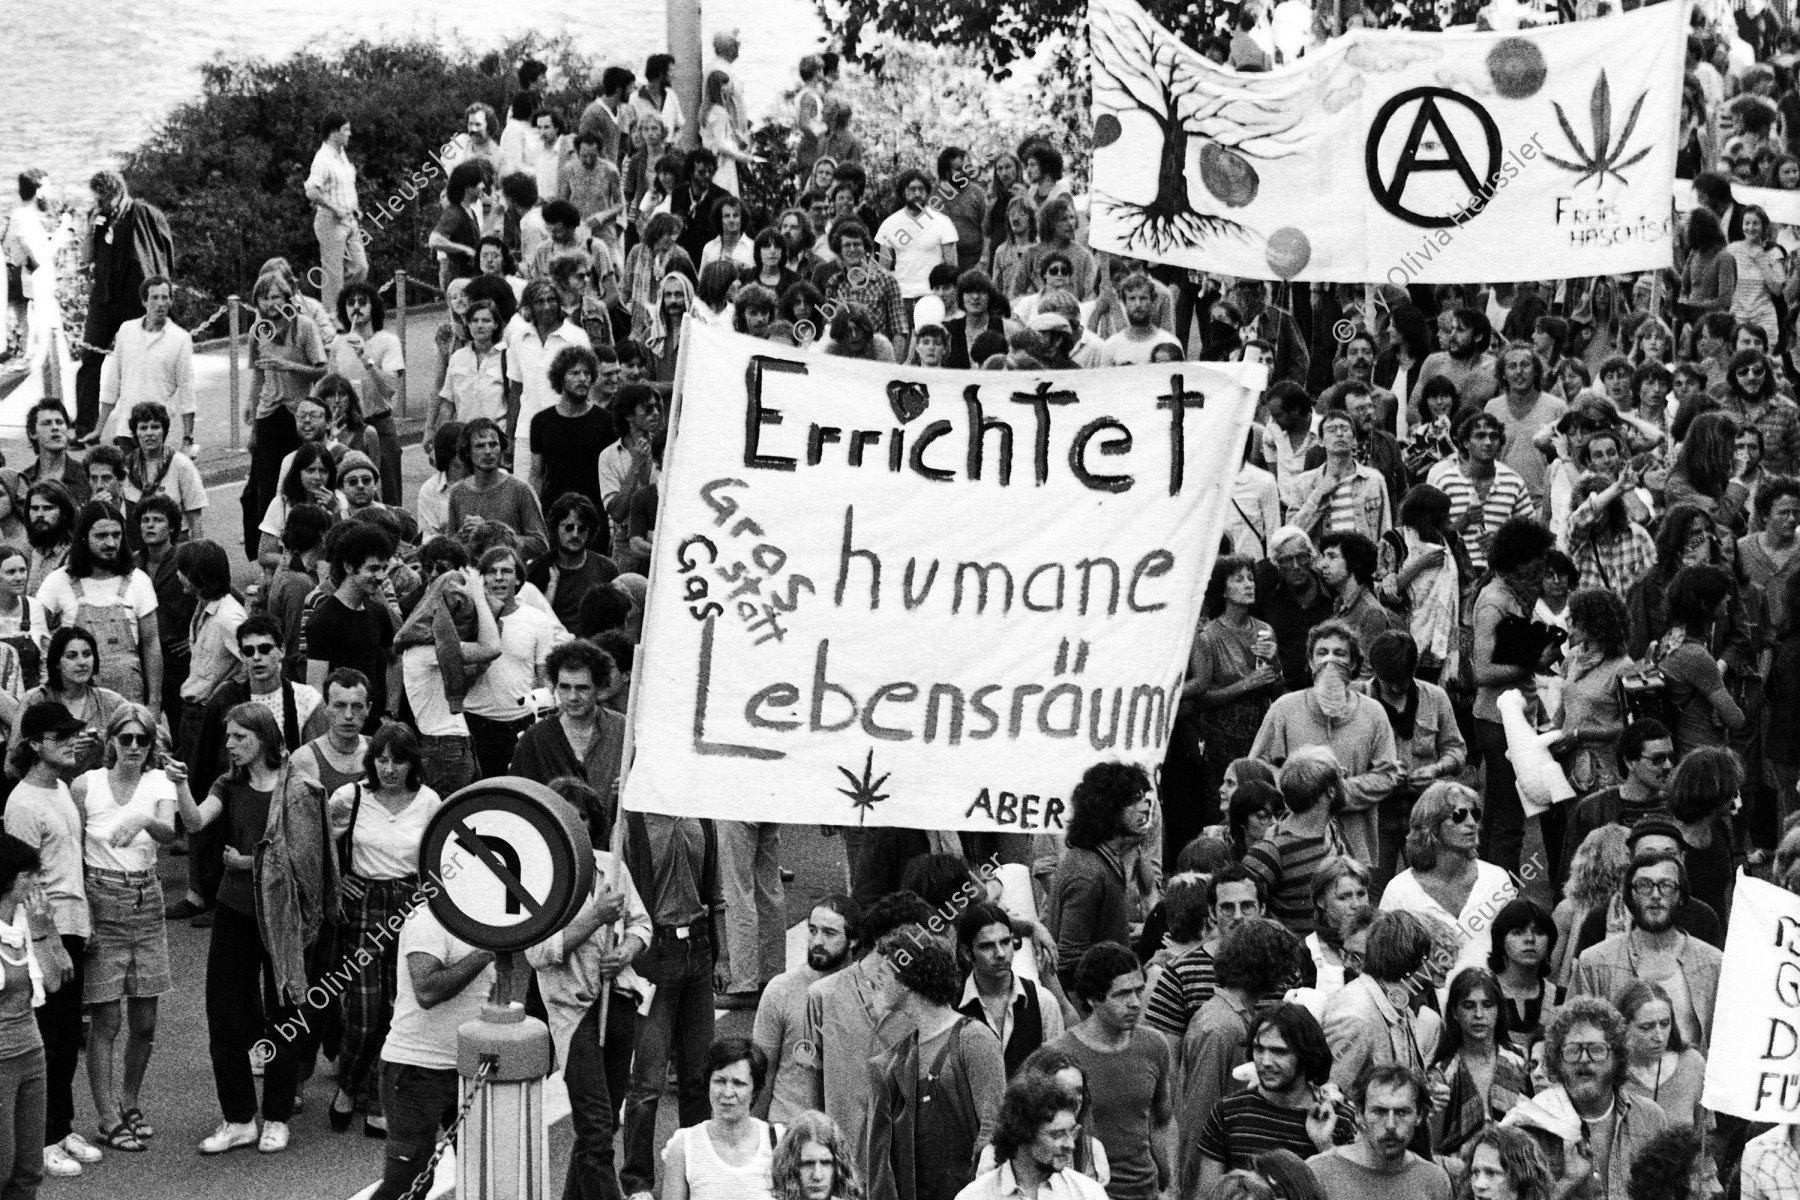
x=511 y=861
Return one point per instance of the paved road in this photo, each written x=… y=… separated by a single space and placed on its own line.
x=179 y=1097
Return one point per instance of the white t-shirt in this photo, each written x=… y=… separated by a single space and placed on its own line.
x=743 y=252
x=426 y=1037
x=1120 y=350
x=425 y=689
x=306 y=702
x=134 y=591
x=918 y=245
x=181 y=483
x=528 y=359
x=104 y=812
x=385 y=844
x=526 y=639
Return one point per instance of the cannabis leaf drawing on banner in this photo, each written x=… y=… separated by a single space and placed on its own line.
x=862 y=791
x=1607 y=157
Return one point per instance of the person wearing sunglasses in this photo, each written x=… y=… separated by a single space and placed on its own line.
x=297 y=709
x=1657 y=949
x=128 y=808
x=1585 y=1056
x=1445 y=879
x=1646 y=758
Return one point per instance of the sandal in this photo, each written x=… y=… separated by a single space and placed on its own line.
x=134 y=1117
x=122 y=1137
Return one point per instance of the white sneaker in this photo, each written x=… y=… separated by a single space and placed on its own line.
x=80 y=1149
x=274 y=1137
x=229 y=1136
x=60 y=1164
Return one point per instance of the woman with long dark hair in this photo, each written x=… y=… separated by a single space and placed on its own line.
x=1701 y=796
x=1708 y=274
x=1592 y=714
x=70 y=667
x=1696 y=688
x=1703 y=472
x=1431 y=426
x=1231 y=681
x=1524 y=947
x=311 y=479
x=1686 y=537
x=1477 y=1077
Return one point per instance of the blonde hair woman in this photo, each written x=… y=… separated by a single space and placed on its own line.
x=127 y=810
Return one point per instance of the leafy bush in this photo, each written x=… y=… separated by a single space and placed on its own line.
x=228 y=169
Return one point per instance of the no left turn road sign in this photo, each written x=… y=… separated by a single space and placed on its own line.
x=511 y=860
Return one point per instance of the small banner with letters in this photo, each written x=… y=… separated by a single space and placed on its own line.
x=1392 y=156
x=1753 y=1063
x=888 y=595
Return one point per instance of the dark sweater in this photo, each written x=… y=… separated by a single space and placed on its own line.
x=1087 y=905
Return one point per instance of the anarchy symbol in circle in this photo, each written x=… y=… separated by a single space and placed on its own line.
x=1428 y=105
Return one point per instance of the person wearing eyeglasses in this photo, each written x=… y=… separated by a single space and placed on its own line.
x=128 y=809
x=1646 y=757
x=1654 y=948
x=1588 y=1125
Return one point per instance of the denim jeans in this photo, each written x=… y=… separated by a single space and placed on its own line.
x=418 y=1102
x=22 y=1139
x=597 y=1078
x=494 y=742
x=447 y=763
x=755 y=904
x=680 y=1019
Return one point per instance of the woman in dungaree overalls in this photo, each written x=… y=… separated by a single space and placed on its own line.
x=101 y=591
x=23 y=625
x=69 y=669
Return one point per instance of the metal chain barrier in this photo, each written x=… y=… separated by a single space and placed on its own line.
x=421 y=1186
x=77 y=344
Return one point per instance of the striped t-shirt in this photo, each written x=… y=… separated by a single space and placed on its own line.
x=1185 y=984
x=1245 y=1124
x=1286 y=863
x=1507 y=498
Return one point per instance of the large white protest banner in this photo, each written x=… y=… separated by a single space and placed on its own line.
x=1384 y=155
x=887 y=595
x=1753 y=1065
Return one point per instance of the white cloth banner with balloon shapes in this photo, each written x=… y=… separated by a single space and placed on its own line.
x=1389 y=156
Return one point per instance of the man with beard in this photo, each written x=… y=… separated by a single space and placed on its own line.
x=1393 y=1103
x=1034 y=1146
x=1646 y=753
x=49 y=528
x=1464 y=361
x=1284 y=1108
x=1589 y=1125
x=130 y=243
x=694 y=203
x=1524 y=409
x=1657 y=950
x=1292 y=598
x=1657 y=834
x=1134 y=344
x=47 y=429
x=567 y=576
x=1359 y=359
x=1021 y=1014
x=101 y=590
x=1254 y=964
x=833 y=930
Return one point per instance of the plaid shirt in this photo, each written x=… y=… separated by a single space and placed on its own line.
x=879 y=292
x=1770 y=1169
x=335 y=177
x=1606 y=561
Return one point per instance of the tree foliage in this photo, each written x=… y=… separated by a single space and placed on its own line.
x=228 y=168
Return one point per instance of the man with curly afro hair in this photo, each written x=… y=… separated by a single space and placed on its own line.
x=934 y=1096
x=840 y=1036
x=1675 y=1166
x=1111 y=813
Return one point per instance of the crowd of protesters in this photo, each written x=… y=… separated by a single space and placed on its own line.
x=1330 y=951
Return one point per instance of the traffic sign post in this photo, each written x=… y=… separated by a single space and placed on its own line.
x=512 y=864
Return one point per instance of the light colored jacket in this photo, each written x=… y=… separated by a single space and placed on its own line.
x=1608 y=969
x=569 y=976
x=296 y=878
x=1362 y=1026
